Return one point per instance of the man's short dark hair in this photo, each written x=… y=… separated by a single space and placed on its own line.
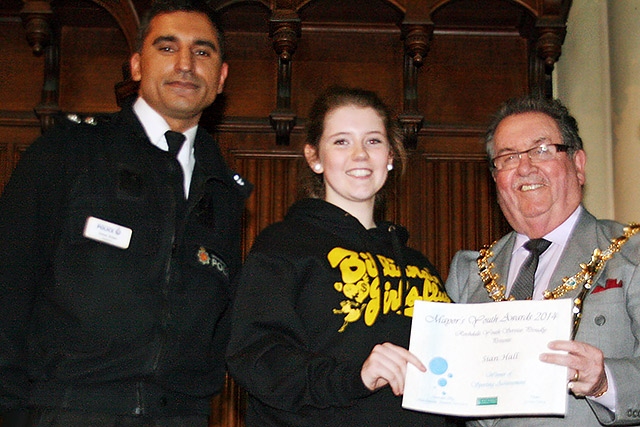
x=553 y=108
x=159 y=7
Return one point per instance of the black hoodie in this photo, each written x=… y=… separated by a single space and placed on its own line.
x=317 y=292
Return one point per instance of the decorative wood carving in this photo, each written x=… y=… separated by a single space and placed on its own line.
x=417 y=37
x=284 y=29
x=548 y=36
x=36 y=17
x=548 y=46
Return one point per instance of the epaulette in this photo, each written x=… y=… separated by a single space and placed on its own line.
x=78 y=119
x=238 y=179
x=245 y=187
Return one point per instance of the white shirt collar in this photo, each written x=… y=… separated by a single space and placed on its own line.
x=559 y=235
x=548 y=260
x=155 y=126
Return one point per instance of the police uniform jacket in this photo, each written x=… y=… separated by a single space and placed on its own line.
x=89 y=324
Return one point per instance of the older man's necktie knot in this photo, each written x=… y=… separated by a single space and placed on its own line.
x=524 y=284
x=175 y=141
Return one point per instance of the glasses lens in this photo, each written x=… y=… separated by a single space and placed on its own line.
x=506 y=161
x=542 y=153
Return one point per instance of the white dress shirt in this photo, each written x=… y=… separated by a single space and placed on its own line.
x=548 y=259
x=155 y=126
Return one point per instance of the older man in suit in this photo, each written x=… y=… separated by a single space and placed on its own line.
x=538 y=165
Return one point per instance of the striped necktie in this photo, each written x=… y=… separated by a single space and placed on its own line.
x=523 y=286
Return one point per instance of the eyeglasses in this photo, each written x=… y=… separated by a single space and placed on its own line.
x=541 y=153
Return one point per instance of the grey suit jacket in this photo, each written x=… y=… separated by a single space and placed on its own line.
x=610 y=320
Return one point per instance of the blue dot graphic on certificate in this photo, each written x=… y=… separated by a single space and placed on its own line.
x=438 y=366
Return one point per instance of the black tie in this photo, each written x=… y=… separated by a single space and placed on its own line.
x=174 y=140
x=523 y=286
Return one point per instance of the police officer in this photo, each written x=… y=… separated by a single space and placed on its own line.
x=118 y=245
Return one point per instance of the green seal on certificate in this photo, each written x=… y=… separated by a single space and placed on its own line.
x=484 y=401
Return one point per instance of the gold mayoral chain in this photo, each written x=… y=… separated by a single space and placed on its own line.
x=584 y=277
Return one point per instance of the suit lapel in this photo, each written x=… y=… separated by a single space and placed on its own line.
x=578 y=250
x=501 y=258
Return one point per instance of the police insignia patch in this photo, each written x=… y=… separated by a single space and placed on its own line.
x=211 y=260
x=203 y=256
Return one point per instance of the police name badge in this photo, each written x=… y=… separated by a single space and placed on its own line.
x=107 y=232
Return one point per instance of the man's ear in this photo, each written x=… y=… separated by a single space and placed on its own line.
x=134 y=64
x=580 y=161
x=224 y=71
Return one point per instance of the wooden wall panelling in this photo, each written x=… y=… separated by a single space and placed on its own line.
x=16 y=110
x=440 y=197
x=125 y=14
x=21 y=81
x=90 y=71
x=251 y=86
x=22 y=74
x=550 y=31
x=228 y=407
x=445 y=65
x=43 y=37
x=49 y=106
x=276 y=177
x=364 y=55
x=490 y=68
x=252 y=80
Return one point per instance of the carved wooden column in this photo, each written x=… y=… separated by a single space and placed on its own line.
x=549 y=39
x=546 y=35
x=37 y=18
x=417 y=37
x=284 y=29
x=49 y=106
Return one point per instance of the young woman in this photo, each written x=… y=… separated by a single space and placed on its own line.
x=323 y=311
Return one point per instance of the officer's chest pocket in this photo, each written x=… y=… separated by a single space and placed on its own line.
x=116 y=227
x=129 y=210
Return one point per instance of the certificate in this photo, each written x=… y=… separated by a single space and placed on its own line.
x=483 y=359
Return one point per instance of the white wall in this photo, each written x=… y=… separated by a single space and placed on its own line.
x=624 y=36
x=582 y=84
x=598 y=79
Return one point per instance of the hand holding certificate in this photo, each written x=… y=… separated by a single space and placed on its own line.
x=483 y=359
